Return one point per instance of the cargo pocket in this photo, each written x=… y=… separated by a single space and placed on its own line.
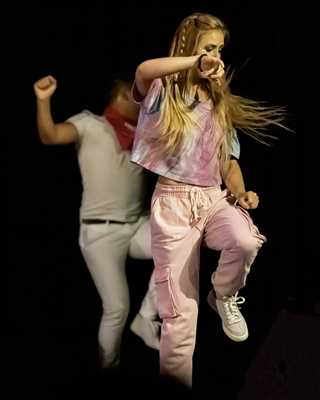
x=167 y=307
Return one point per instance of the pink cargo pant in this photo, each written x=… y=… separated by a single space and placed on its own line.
x=184 y=217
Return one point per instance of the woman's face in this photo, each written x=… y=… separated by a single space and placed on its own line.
x=211 y=43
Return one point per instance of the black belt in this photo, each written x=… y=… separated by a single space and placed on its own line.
x=91 y=221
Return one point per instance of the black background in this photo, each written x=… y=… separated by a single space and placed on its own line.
x=54 y=307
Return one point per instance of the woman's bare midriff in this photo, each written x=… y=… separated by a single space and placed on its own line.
x=168 y=181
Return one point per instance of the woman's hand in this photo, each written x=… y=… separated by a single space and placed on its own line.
x=210 y=67
x=248 y=200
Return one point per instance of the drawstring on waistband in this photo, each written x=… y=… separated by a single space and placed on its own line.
x=198 y=200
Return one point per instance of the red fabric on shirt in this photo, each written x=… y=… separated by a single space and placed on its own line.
x=124 y=127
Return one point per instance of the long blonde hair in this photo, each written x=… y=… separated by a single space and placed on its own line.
x=231 y=111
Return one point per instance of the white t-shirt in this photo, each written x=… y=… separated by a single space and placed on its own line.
x=113 y=186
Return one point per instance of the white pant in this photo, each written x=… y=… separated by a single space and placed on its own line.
x=105 y=248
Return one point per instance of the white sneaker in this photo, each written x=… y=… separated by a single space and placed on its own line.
x=233 y=323
x=147 y=330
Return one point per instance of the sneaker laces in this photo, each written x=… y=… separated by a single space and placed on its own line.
x=231 y=308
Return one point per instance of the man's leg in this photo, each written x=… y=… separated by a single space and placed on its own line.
x=104 y=248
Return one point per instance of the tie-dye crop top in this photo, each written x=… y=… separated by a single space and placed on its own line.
x=198 y=162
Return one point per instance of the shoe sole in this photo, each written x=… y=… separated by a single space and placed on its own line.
x=235 y=338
